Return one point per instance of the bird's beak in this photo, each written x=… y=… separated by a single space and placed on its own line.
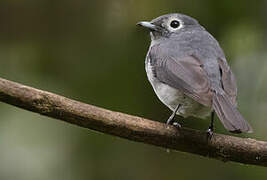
x=148 y=25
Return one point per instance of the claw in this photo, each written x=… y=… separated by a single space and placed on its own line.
x=177 y=125
x=209 y=133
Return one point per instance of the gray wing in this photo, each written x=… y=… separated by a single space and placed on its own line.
x=186 y=74
x=228 y=81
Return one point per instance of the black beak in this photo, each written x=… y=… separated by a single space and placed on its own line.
x=147 y=25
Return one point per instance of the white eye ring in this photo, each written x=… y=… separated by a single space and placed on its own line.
x=175 y=21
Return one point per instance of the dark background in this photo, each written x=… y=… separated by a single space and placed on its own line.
x=92 y=51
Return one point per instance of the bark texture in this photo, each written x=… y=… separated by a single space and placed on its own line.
x=222 y=147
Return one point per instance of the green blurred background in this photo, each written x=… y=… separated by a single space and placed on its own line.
x=92 y=51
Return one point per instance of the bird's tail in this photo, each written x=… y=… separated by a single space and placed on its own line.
x=230 y=117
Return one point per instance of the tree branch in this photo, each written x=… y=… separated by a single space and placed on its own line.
x=226 y=148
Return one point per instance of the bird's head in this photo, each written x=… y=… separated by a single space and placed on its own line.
x=170 y=24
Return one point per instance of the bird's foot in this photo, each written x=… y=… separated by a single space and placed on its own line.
x=209 y=133
x=170 y=122
x=177 y=125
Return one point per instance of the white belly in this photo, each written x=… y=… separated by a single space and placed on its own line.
x=172 y=97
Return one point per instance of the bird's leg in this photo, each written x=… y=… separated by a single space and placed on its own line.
x=211 y=127
x=170 y=120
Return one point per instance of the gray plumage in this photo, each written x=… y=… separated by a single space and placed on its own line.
x=186 y=66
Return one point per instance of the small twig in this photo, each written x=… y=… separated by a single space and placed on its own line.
x=226 y=148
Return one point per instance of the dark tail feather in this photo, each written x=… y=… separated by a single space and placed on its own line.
x=229 y=115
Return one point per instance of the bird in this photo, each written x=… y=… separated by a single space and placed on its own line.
x=189 y=72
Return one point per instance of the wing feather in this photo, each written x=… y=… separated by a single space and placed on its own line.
x=228 y=81
x=186 y=74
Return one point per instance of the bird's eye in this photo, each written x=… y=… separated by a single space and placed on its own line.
x=175 y=24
